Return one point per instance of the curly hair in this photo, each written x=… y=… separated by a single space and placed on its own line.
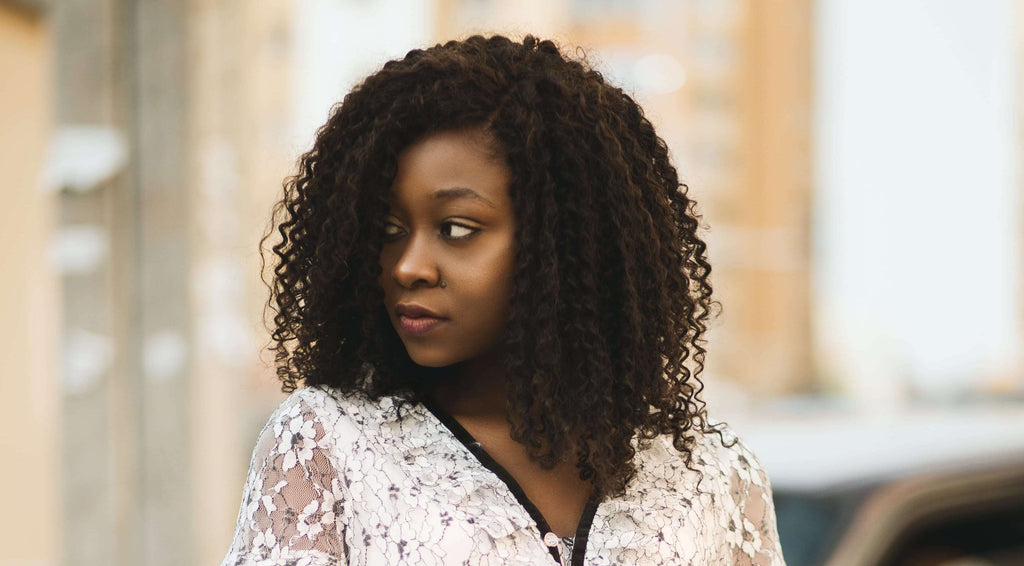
x=611 y=291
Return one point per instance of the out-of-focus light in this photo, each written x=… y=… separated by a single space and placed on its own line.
x=87 y=357
x=78 y=249
x=164 y=356
x=82 y=158
x=659 y=73
x=221 y=331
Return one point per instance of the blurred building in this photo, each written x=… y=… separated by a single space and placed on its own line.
x=142 y=141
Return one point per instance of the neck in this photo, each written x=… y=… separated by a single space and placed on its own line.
x=475 y=389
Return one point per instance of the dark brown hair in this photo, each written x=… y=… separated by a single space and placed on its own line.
x=611 y=290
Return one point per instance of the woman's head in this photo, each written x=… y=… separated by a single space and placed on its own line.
x=591 y=249
x=449 y=248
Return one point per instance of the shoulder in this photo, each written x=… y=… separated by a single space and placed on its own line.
x=307 y=407
x=719 y=459
x=729 y=464
x=324 y=417
x=730 y=454
x=330 y=405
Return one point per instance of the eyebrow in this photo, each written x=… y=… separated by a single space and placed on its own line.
x=461 y=192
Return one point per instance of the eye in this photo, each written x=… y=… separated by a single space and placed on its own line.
x=457 y=231
x=449 y=231
x=391 y=230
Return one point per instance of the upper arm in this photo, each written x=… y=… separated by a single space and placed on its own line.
x=753 y=534
x=292 y=500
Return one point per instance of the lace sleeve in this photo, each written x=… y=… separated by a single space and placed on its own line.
x=753 y=534
x=292 y=501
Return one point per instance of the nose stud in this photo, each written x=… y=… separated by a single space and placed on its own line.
x=442 y=285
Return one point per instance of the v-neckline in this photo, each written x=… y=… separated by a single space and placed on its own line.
x=579 y=540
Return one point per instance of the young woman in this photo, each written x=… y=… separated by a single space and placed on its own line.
x=491 y=285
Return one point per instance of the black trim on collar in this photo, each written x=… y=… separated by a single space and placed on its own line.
x=462 y=435
x=579 y=545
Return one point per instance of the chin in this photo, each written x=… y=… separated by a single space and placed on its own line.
x=430 y=359
x=431 y=363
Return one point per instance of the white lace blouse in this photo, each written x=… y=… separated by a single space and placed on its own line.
x=338 y=479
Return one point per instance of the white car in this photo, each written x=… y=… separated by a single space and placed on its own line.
x=916 y=487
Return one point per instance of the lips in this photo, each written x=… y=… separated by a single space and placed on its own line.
x=415 y=320
x=415 y=311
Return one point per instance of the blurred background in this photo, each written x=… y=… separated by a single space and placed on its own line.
x=857 y=164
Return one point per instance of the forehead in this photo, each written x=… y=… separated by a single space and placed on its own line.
x=451 y=165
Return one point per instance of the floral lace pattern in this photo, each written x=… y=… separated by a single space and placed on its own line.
x=344 y=480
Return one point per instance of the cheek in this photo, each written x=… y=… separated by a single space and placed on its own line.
x=490 y=283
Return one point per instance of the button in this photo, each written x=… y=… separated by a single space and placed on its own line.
x=551 y=539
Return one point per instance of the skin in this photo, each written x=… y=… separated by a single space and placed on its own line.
x=451 y=219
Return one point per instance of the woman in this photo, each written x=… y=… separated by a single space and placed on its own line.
x=491 y=285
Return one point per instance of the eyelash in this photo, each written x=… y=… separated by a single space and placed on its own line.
x=473 y=231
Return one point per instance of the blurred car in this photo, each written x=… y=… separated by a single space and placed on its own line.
x=923 y=487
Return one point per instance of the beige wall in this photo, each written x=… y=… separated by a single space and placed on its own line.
x=28 y=297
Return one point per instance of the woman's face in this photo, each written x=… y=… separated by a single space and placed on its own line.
x=451 y=221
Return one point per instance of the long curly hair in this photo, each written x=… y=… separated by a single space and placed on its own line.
x=611 y=291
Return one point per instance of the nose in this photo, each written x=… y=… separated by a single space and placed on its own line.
x=416 y=264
